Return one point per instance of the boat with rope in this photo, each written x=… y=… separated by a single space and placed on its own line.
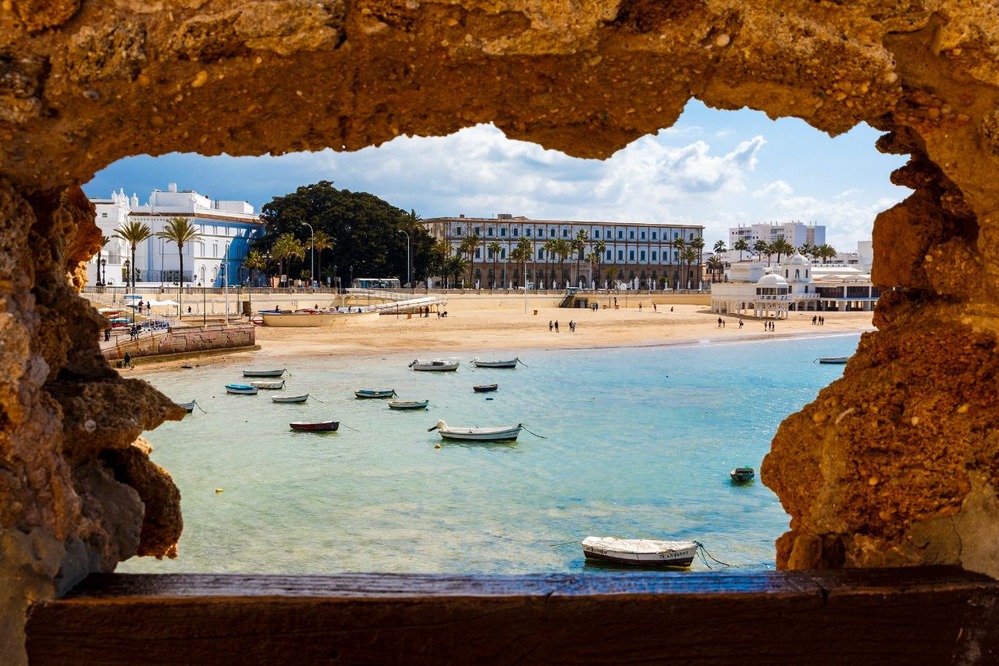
x=511 y=363
x=263 y=373
x=485 y=388
x=507 y=433
x=436 y=365
x=408 y=404
x=290 y=399
x=375 y=393
x=832 y=360
x=269 y=385
x=241 y=389
x=640 y=552
x=315 y=426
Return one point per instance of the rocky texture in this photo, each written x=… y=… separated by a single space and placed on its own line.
x=894 y=464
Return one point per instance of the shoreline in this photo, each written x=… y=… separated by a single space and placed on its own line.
x=477 y=331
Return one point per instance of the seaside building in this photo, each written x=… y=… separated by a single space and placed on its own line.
x=563 y=253
x=795 y=284
x=795 y=233
x=214 y=258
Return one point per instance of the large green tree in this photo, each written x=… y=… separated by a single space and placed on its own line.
x=362 y=228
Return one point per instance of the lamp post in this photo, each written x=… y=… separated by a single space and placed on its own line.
x=312 y=254
x=104 y=272
x=225 y=284
x=409 y=279
x=128 y=276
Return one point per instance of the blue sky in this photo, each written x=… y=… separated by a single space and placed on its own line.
x=713 y=168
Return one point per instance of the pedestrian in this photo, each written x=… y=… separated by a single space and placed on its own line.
x=556 y=326
x=815 y=320
x=653 y=307
x=107 y=334
x=639 y=306
x=572 y=326
x=740 y=323
x=719 y=322
x=550 y=326
x=127 y=361
x=671 y=308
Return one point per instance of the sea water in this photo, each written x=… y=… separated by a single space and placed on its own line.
x=633 y=442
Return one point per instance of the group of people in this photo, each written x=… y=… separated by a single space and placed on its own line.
x=553 y=326
x=768 y=326
x=818 y=321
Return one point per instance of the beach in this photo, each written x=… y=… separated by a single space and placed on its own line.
x=507 y=329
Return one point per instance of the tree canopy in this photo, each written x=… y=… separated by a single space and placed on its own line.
x=359 y=233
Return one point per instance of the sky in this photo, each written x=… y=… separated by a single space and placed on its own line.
x=718 y=169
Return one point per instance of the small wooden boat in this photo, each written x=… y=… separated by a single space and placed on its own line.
x=408 y=404
x=436 y=365
x=476 y=434
x=288 y=399
x=241 y=389
x=485 y=388
x=375 y=393
x=495 y=364
x=188 y=406
x=269 y=385
x=832 y=360
x=263 y=373
x=641 y=552
x=315 y=426
x=742 y=474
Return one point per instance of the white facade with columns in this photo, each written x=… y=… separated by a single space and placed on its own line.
x=214 y=258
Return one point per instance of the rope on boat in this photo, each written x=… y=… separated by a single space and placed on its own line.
x=522 y=363
x=349 y=428
x=316 y=399
x=533 y=433
x=199 y=406
x=705 y=554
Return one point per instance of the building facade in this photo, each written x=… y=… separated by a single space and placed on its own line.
x=567 y=253
x=795 y=233
x=213 y=259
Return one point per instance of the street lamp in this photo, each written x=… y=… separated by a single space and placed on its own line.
x=409 y=279
x=312 y=254
x=104 y=272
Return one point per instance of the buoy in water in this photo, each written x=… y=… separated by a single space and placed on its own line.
x=437 y=445
x=218 y=491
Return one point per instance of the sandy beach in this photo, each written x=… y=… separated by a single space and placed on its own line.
x=479 y=332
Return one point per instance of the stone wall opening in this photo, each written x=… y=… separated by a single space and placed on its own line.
x=905 y=466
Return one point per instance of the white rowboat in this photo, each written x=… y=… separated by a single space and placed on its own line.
x=288 y=399
x=475 y=434
x=436 y=365
x=641 y=552
x=495 y=364
x=269 y=385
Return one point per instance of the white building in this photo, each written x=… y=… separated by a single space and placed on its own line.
x=795 y=233
x=793 y=285
x=225 y=229
x=634 y=255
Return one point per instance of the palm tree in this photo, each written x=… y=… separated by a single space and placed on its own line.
x=521 y=254
x=467 y=247
x=808 y=250
x=455 y=266
x=715 y=265
x=549 y=257
x=321 y=241
x=689 y=256
x=577 y=245
x=287 y=246
x=562 y=249
x=781 y=246
x=133 y=233
x=826 y=252
x=100 y=279
x=255 y=261
x=494 y=248
x=719 y=247
x=760 y=248
x=741 y=245
x=599 y=247
x=180 y=230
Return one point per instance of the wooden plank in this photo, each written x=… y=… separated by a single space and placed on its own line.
x=902 y=616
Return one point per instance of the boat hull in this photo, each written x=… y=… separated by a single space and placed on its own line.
x=832 y=360
x=434 y=366
x=495 y=364
x=269 y=386
x=263 y=373
x=485 y=388
x=290 y=399
x=640 y=552
x=319 y=426
x=241 y=389
x=408 y=404
x=502 y=434
x=368 y=394
x=742 y=474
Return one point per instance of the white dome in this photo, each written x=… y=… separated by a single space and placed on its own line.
x=798 y=259
x=771 y=280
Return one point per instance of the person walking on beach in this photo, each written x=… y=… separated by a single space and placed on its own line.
x=127 y=361
x=556 y=326
x=740 y=323
x=550 y=326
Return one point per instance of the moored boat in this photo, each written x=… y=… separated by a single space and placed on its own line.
x=241 y=389
x=288 y=399
x=832 y=360
x=742 y=474
x=269 y=385
x=641 y=552
x=478 y=363
x=408 y=404
x=485 y=388
x=188 y=406
x=476 y=434
x=375 y=393
x=315 y=426
x=436 y=365
x=263 y=373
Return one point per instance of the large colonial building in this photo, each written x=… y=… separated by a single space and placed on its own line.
x=605 y=253
x=225 y=229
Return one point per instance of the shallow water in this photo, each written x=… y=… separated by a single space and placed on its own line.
x=626 y=442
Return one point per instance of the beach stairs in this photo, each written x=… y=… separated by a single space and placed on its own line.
x=396 y=303
x=569 y=301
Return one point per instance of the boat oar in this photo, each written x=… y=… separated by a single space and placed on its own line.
x=432 y=428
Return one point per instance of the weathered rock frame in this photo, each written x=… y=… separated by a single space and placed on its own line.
x=895 y=464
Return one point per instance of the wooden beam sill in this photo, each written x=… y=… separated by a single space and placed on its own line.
x=926 y=615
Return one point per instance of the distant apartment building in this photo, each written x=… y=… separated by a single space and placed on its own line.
x=613 y=254
x=214 y=258
x=795 y=233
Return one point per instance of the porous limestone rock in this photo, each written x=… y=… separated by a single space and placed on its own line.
x=893 y=464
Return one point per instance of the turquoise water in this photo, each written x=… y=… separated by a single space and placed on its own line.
x=631 y=442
